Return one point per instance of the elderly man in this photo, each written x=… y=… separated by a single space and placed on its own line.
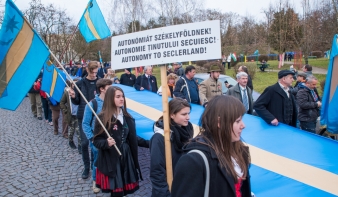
x=146 y=81
x=242 y=92
x=211 y=86
x=309 y=103
x=276 y=104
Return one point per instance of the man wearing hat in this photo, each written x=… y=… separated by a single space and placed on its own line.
x=277 y=104
x=128 y=78
x=211 y=86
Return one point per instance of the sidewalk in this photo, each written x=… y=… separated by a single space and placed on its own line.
x=315 y=70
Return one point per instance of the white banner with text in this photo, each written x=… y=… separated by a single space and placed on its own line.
x=178 y=43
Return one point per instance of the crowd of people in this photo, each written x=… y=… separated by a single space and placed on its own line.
x=217 y=152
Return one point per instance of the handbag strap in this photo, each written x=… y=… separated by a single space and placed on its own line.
x=207 y=182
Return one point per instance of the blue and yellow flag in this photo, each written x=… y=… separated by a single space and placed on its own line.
x=22 y=54
x=329 y=112
x=53 y=81
x=92 y=24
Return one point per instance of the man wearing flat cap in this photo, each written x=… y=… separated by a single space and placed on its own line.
x=211 y=86
x=276 y=104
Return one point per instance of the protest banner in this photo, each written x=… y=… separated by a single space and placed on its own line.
x=178 y=43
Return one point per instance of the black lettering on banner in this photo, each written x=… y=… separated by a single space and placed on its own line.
x=136 y=58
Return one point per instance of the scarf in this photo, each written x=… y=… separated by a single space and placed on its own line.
x=180 y=134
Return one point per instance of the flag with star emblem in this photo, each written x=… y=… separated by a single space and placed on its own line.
x=92 y=24
x=22 y=55
x=53 y=81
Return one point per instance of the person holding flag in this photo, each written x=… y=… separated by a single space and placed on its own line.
x=87 y=86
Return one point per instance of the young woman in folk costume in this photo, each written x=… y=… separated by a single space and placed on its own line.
x=116 y=174
x=227 y=156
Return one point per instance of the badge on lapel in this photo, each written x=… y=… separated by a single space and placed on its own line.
x=115 y=127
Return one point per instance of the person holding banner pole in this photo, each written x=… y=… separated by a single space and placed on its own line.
x=181 y=130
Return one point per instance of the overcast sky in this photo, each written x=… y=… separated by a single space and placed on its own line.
x=252 y=8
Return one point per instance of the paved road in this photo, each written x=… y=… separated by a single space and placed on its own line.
x=34 y=162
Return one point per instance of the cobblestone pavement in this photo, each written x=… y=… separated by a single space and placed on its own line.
x=35 y=162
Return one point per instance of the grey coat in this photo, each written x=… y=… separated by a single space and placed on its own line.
x=236 y=92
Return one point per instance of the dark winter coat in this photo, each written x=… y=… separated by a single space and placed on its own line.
x=272 y=104
x=187 y=89
x=157 y=160
x=142 y=81
x=190 y=175
x=84 y=85
x=128 y=80
x=236 y=92
x=180 y=72
x=308 y=108
x=249 y=84
x=107 y=156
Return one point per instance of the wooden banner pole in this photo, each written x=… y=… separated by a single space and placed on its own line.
x=168 y=157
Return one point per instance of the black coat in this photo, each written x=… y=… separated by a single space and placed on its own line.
x=142 y=81
x=128 y=80
x=308 y=108
x=190 y=175
x=271 y=104
x=83 y=85
x=158 y=175
x=249 y=84
x=108 y=156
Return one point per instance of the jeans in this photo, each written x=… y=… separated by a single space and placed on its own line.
x=94 y=154
x=84 y=146
x=308 y=126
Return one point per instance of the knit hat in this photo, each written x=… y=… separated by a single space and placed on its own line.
x=128 y=69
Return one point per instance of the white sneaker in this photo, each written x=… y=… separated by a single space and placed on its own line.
x=95 y=189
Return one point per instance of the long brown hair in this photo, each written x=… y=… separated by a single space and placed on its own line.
x=217 y=123
x=109 y=108
x=175 y=106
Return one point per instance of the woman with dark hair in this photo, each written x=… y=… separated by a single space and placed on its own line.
x=115 y=174
x=227 y=156
x=181 y=131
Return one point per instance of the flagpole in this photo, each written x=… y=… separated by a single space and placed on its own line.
x=70 y=38
x=71 y=80
x=167 y=143
x=84 y=98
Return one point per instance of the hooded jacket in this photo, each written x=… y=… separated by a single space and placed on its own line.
x=89 y=118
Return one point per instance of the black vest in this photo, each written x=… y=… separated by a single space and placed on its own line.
x=288 y=111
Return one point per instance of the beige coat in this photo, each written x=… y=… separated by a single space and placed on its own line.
x=208 y=89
